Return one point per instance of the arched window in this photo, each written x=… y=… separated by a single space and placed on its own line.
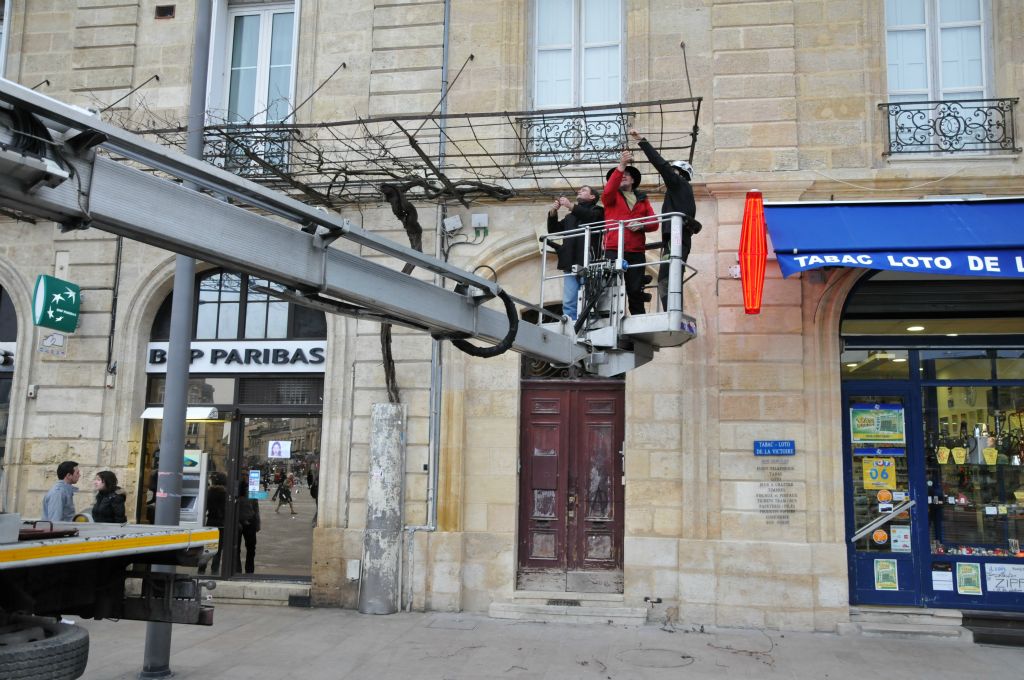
x=224 y=313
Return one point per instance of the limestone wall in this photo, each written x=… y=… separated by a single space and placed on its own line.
x=790 y=89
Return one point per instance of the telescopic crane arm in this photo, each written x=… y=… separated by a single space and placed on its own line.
x=50 y=169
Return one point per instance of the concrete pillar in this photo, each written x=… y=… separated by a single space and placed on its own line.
x=382 y=541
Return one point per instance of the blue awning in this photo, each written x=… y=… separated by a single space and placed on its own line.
x=965 y=237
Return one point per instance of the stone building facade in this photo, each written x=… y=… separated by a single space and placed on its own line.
x=790 y=91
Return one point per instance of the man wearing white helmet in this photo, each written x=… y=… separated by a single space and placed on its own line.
x=678 y=198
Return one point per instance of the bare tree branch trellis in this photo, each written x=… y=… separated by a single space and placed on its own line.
x=489 y=156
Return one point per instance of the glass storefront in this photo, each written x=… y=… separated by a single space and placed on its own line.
x=252 y=457
x=933 y=435
x=259 y=430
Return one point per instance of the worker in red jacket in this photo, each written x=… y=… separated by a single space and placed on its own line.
x=623 y=203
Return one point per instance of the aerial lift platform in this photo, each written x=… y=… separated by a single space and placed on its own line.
x=51 y=168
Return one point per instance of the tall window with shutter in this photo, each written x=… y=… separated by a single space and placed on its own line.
x=5 y=10
x=257 y=88
x=938 y=66
x=577 y=62
x=937 y=49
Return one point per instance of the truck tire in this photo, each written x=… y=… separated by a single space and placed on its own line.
x=41 y=648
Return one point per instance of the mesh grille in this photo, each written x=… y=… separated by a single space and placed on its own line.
x=289 y=391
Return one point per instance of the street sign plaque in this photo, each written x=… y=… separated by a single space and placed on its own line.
x=56 y=304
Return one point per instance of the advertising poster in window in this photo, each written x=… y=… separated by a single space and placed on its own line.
x=879 y=473
x=877 y=423
x=279 y=449
x=1005 y=578
x=900 y=538
x=886 y=575
x=968 y=578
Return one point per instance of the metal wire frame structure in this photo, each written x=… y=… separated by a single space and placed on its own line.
x=465 y=157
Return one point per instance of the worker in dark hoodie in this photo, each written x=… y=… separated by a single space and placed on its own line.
x=678 y=198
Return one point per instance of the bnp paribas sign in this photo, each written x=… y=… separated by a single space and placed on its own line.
x=56 y=304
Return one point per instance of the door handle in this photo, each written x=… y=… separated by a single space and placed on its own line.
x=571 y=504
x=884 y=519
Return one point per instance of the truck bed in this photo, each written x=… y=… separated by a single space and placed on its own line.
x=104 y=540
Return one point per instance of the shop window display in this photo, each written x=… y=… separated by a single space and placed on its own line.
x=974 y=447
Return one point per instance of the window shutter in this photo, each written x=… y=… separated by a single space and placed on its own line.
x=555 y=30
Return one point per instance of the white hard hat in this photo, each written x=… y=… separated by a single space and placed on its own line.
x=684 y=166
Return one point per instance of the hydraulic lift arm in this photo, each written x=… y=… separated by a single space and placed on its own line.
x=114 y=196
x=64 y=179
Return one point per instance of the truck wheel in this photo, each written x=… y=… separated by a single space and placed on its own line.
x=38 y=647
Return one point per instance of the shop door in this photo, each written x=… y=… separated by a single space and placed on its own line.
x=275 y=459
x=571 y=487
x=886 y=507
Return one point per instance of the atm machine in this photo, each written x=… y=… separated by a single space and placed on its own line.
x=193 y=488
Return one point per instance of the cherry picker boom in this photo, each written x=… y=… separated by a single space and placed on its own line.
x=50 y=169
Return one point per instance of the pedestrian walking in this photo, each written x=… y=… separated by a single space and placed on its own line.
x=284 y=493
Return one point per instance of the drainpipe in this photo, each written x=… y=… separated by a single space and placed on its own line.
x=436 y=365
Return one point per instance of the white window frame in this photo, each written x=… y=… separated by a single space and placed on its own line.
x=219 y=80
x=933 y=33
x=5 y=23
x=577 y=48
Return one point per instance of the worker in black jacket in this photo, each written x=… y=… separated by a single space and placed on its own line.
x=571 y=249
x=678 y=198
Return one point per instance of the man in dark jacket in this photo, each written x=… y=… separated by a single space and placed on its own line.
x=571 y=250
x=678 y=198
x=249 y=525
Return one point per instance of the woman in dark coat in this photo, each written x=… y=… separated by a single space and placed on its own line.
x=110 y=498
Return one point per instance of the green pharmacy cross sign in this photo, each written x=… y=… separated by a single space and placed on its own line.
x=56 y=304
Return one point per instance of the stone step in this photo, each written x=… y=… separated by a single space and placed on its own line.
x=912 y=615
x=911 y=631
x=998 y=635
x=996 y=628
x=593 y=613
x=275 y=593
x=583 y=599
x=907 y=631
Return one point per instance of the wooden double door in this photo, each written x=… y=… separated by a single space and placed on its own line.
x=571 y=486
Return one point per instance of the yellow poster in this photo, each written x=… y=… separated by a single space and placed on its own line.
x=879 y=473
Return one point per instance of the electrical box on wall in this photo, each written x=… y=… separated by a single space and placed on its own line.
x=479 y=220
x=352 y=570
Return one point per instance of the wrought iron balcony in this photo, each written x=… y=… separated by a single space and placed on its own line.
x=574 y=137
x=253 y=152
x=964 y=126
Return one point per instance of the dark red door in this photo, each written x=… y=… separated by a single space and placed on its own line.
x=571 y=492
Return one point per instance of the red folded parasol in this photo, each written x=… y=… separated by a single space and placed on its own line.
x=753 y=252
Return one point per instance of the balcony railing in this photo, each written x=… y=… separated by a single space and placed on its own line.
x=558 y=138
x=252 y=152
x=964 y=126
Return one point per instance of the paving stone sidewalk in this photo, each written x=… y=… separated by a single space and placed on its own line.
x=257 y=642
